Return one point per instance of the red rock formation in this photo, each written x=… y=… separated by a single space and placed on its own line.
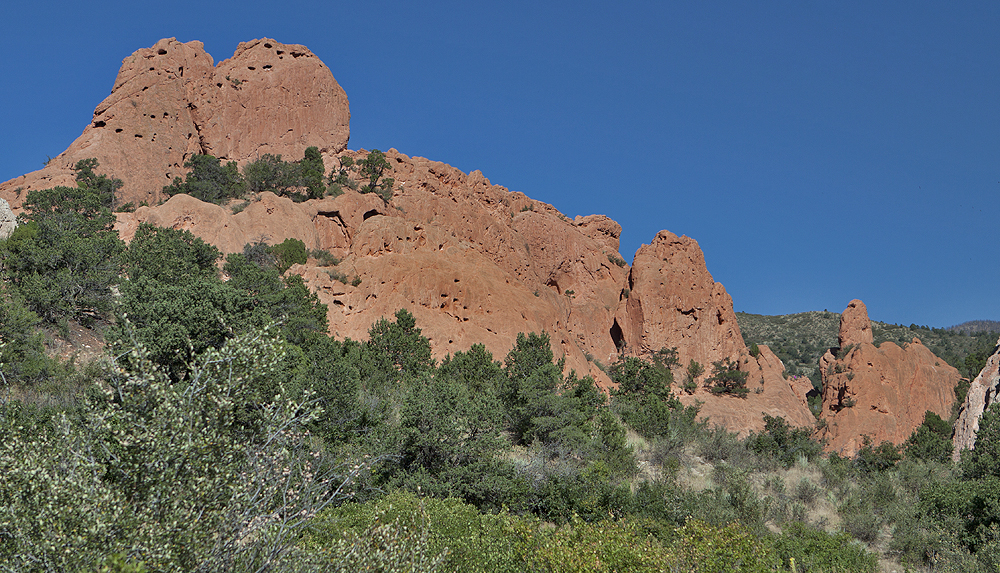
x=672 y=297
x=769 y=393
x=474 y=262
x=169 y=102
x=983 y=391
x=881 y=392
x=855 y=328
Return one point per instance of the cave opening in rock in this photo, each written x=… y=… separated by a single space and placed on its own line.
x=617 y=336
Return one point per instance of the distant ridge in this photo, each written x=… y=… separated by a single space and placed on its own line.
x=977 y=326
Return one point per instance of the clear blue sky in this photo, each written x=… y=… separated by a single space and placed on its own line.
x=818 y=151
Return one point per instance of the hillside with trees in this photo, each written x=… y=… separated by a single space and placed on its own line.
x=224 y=429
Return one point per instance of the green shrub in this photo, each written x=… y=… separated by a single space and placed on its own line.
x=311 y=173
x=290 y=252
x=931 y=441
x=728 y=379
x=815 y=550
x=340 y=178
x=324 y=258
x=783 y=443
x=65 y=260
x=373 y=168
x=209 y=180
x=984 y=459
x=23 y=360
x=271 y=173
x=169 y=472
x=118 y=563
x=701 y=547
x=876 y=459
x=170 y=255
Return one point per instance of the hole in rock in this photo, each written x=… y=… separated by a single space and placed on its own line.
x=251 y=68
x=99 y=124
x=617 y=336
x=119 y=130
x=267 y=67
x=161 y=51
x=369 y=214
x=268 y=46
x=138 y=135
x=279 y=52
x=151 y=68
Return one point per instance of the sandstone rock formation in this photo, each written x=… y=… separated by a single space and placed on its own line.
x=8 y=221
x=672 y=297
x=882 y=392
x=855 y=327
x=170 y=102
x=474 y=262
x=982 y=393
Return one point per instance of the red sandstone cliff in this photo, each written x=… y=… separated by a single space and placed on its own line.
x=879 y=391
x=170 y=102
x=474 y=262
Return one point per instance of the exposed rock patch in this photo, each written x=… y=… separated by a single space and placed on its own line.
x=170 y=102
x=8 y=221
x=982 y=393
x=671 y=297
x=474 y=262
x=882 y=392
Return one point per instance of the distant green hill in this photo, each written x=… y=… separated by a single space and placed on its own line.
x=800 y=339
x=977 y=326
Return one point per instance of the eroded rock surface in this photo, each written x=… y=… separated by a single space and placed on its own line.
x=474 y=262
x=982 y=393
x=170 y=102
x=882 y=392
x=8 y=221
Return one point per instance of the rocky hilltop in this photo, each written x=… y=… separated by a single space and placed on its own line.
x=473 y=261
x=170 y=102
x=879 y=391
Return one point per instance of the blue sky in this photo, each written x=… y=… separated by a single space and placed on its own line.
x=818 y=151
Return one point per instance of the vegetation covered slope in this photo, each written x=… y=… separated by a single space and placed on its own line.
x=224 y=430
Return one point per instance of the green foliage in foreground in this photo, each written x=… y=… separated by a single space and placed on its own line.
x=465 y=540
x=167 y=473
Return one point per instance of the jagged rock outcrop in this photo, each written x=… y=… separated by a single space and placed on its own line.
x=8 y=221
x=855 y=327
x=474 y=262
x=672 y=297
x=982 y=393
x=882 y=392
x=170 y=102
